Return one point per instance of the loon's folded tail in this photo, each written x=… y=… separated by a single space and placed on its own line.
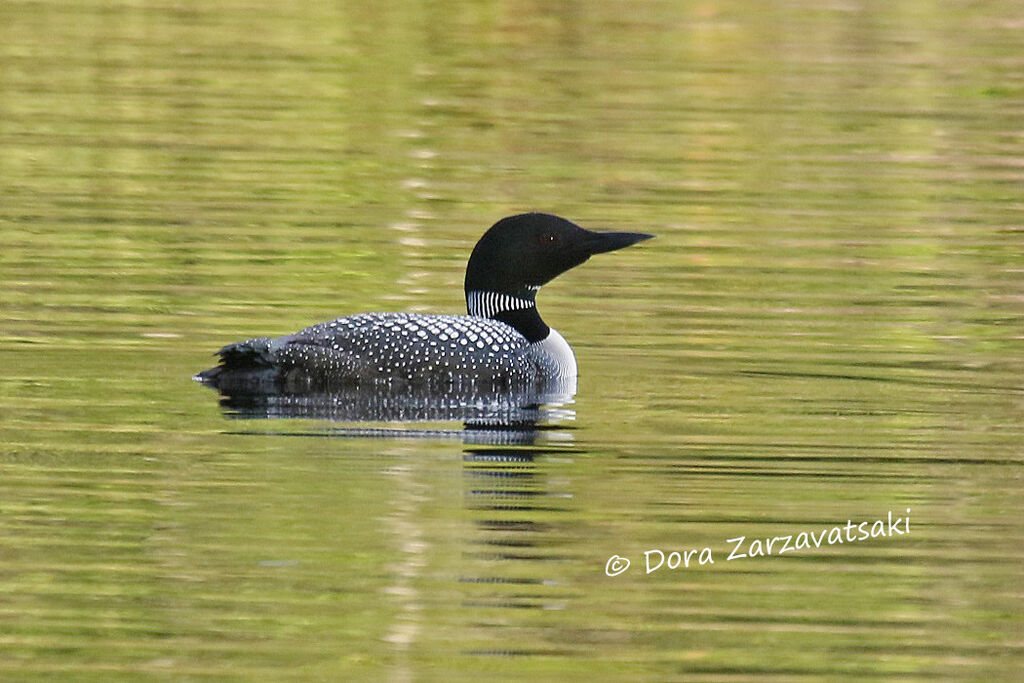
x=250 y=357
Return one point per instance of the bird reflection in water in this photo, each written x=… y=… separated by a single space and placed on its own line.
x=491 y=413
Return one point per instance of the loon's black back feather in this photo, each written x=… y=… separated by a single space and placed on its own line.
x=370 y=347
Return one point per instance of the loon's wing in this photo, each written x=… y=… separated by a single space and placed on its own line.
x=374 y=346
x=343 y=348
x=416 y=346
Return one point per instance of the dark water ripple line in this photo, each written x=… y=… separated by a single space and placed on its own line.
x=979 y=388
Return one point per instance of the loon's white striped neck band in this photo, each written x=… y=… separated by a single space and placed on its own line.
x=492 y=304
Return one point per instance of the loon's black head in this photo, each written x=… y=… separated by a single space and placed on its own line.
x=527 y=251
x=521 y=253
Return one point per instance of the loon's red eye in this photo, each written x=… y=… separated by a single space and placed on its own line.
x=547 y=238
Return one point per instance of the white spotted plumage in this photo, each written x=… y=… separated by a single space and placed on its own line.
x=411 y=346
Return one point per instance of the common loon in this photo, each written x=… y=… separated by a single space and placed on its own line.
x=502 y=339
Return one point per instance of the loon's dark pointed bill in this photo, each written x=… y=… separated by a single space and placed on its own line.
x=600 y=242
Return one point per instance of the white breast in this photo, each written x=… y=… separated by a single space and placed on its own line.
x=555 y=348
